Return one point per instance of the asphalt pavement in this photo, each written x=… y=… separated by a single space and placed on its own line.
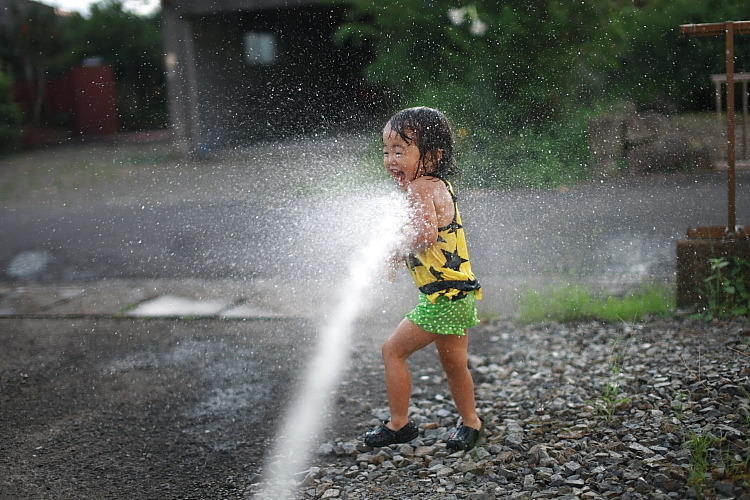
x=124 y=227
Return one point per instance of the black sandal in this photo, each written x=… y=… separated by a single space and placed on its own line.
x=383 y=436
x=464 y=438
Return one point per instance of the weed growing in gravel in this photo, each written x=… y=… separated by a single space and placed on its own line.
x=736 y=456
x=727 y=288
x=678 y=405
x=611 y=398
x=578 y=303
x=699 y=445
x=724 y=457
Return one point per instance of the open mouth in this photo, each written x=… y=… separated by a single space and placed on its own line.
x=399 y=177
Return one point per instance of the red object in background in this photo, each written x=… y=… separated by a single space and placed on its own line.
x=94 y=107
x=60 y=97
x=84 y=99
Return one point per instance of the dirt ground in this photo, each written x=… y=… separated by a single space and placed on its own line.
x=96 y=408
x=108 y=408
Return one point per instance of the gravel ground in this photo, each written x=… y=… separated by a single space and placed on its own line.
x=94 y=408
x=572 y=411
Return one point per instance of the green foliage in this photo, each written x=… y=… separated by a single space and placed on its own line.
x=496 y=68
x=718 y=457
x=10 y=116
x=31 y=36
x=527 y=62
x=700 y=446
x=521 y=79
x=577 y=303
x=612 y=397
x=537 y=159
x=664 y=71
x=38 y=44
x=727 y=288
x=132 y=45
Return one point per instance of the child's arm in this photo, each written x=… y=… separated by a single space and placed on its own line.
x=430 y=207
x=421 y=198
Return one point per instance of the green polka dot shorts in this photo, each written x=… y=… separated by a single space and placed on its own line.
x=445 y=317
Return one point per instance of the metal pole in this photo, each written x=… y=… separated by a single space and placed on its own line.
x=731 y=182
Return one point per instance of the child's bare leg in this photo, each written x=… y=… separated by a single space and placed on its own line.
x=453 y=352
x=405 y=340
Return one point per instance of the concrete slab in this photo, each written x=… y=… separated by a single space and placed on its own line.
x=102 y=299
x=35 y=299
x=151 y=298
x=173 y=306
x=249 y=311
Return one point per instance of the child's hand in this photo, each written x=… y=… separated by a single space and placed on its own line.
x=391 y=266
x=390 y=274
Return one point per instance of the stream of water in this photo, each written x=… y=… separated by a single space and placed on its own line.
x=304 y=418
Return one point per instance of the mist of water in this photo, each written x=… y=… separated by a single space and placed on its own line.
x=304 y=417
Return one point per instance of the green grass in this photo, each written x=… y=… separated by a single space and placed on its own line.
x=717 y=458
x=578 y=303
x=700 y=446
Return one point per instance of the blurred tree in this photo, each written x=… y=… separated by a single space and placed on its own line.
x=520 y=79
x=32 y=37
x=504 y=64
x=10 y=115
x=38 y=44
x=132 y=45
x=526 y=62
x=504 y=72
x=663 y=71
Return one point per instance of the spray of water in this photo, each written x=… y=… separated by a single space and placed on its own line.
x=303 y=418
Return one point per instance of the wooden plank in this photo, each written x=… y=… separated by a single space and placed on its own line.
x=738 y=77
x=714 y=29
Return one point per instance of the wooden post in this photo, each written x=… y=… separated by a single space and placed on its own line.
x=728 y=29
x=731 y=159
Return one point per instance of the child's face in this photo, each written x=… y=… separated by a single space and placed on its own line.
x=401 y=158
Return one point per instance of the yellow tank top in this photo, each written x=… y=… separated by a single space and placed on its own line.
x=444 y=270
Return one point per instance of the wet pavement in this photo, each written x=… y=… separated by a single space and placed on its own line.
x=125 y=228
x=138 y=299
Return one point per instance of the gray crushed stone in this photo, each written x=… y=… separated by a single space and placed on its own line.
x=585 y=411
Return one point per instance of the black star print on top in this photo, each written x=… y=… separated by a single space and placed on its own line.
x=453 y=260
x=444 y=270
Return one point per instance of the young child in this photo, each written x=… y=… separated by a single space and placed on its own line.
x=418 y=154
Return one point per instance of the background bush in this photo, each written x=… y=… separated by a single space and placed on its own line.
x=10 y=116
x=38 y=45
x=521 y=79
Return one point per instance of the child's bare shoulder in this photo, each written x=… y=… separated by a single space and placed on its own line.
x=428 y=185
x=432 y=191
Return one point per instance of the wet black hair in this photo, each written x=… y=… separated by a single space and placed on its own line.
x=429 y=129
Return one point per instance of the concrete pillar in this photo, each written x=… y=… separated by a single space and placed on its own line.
x=181 y=78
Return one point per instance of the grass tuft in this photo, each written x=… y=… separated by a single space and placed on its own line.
x=578 y=303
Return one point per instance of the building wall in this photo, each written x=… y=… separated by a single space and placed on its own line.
x=203 y=7
x=218 y=99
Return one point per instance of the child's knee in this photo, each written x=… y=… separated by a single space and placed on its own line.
x=388 y=349
x=392 y=349
x=454 y=362
x=384 y=349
